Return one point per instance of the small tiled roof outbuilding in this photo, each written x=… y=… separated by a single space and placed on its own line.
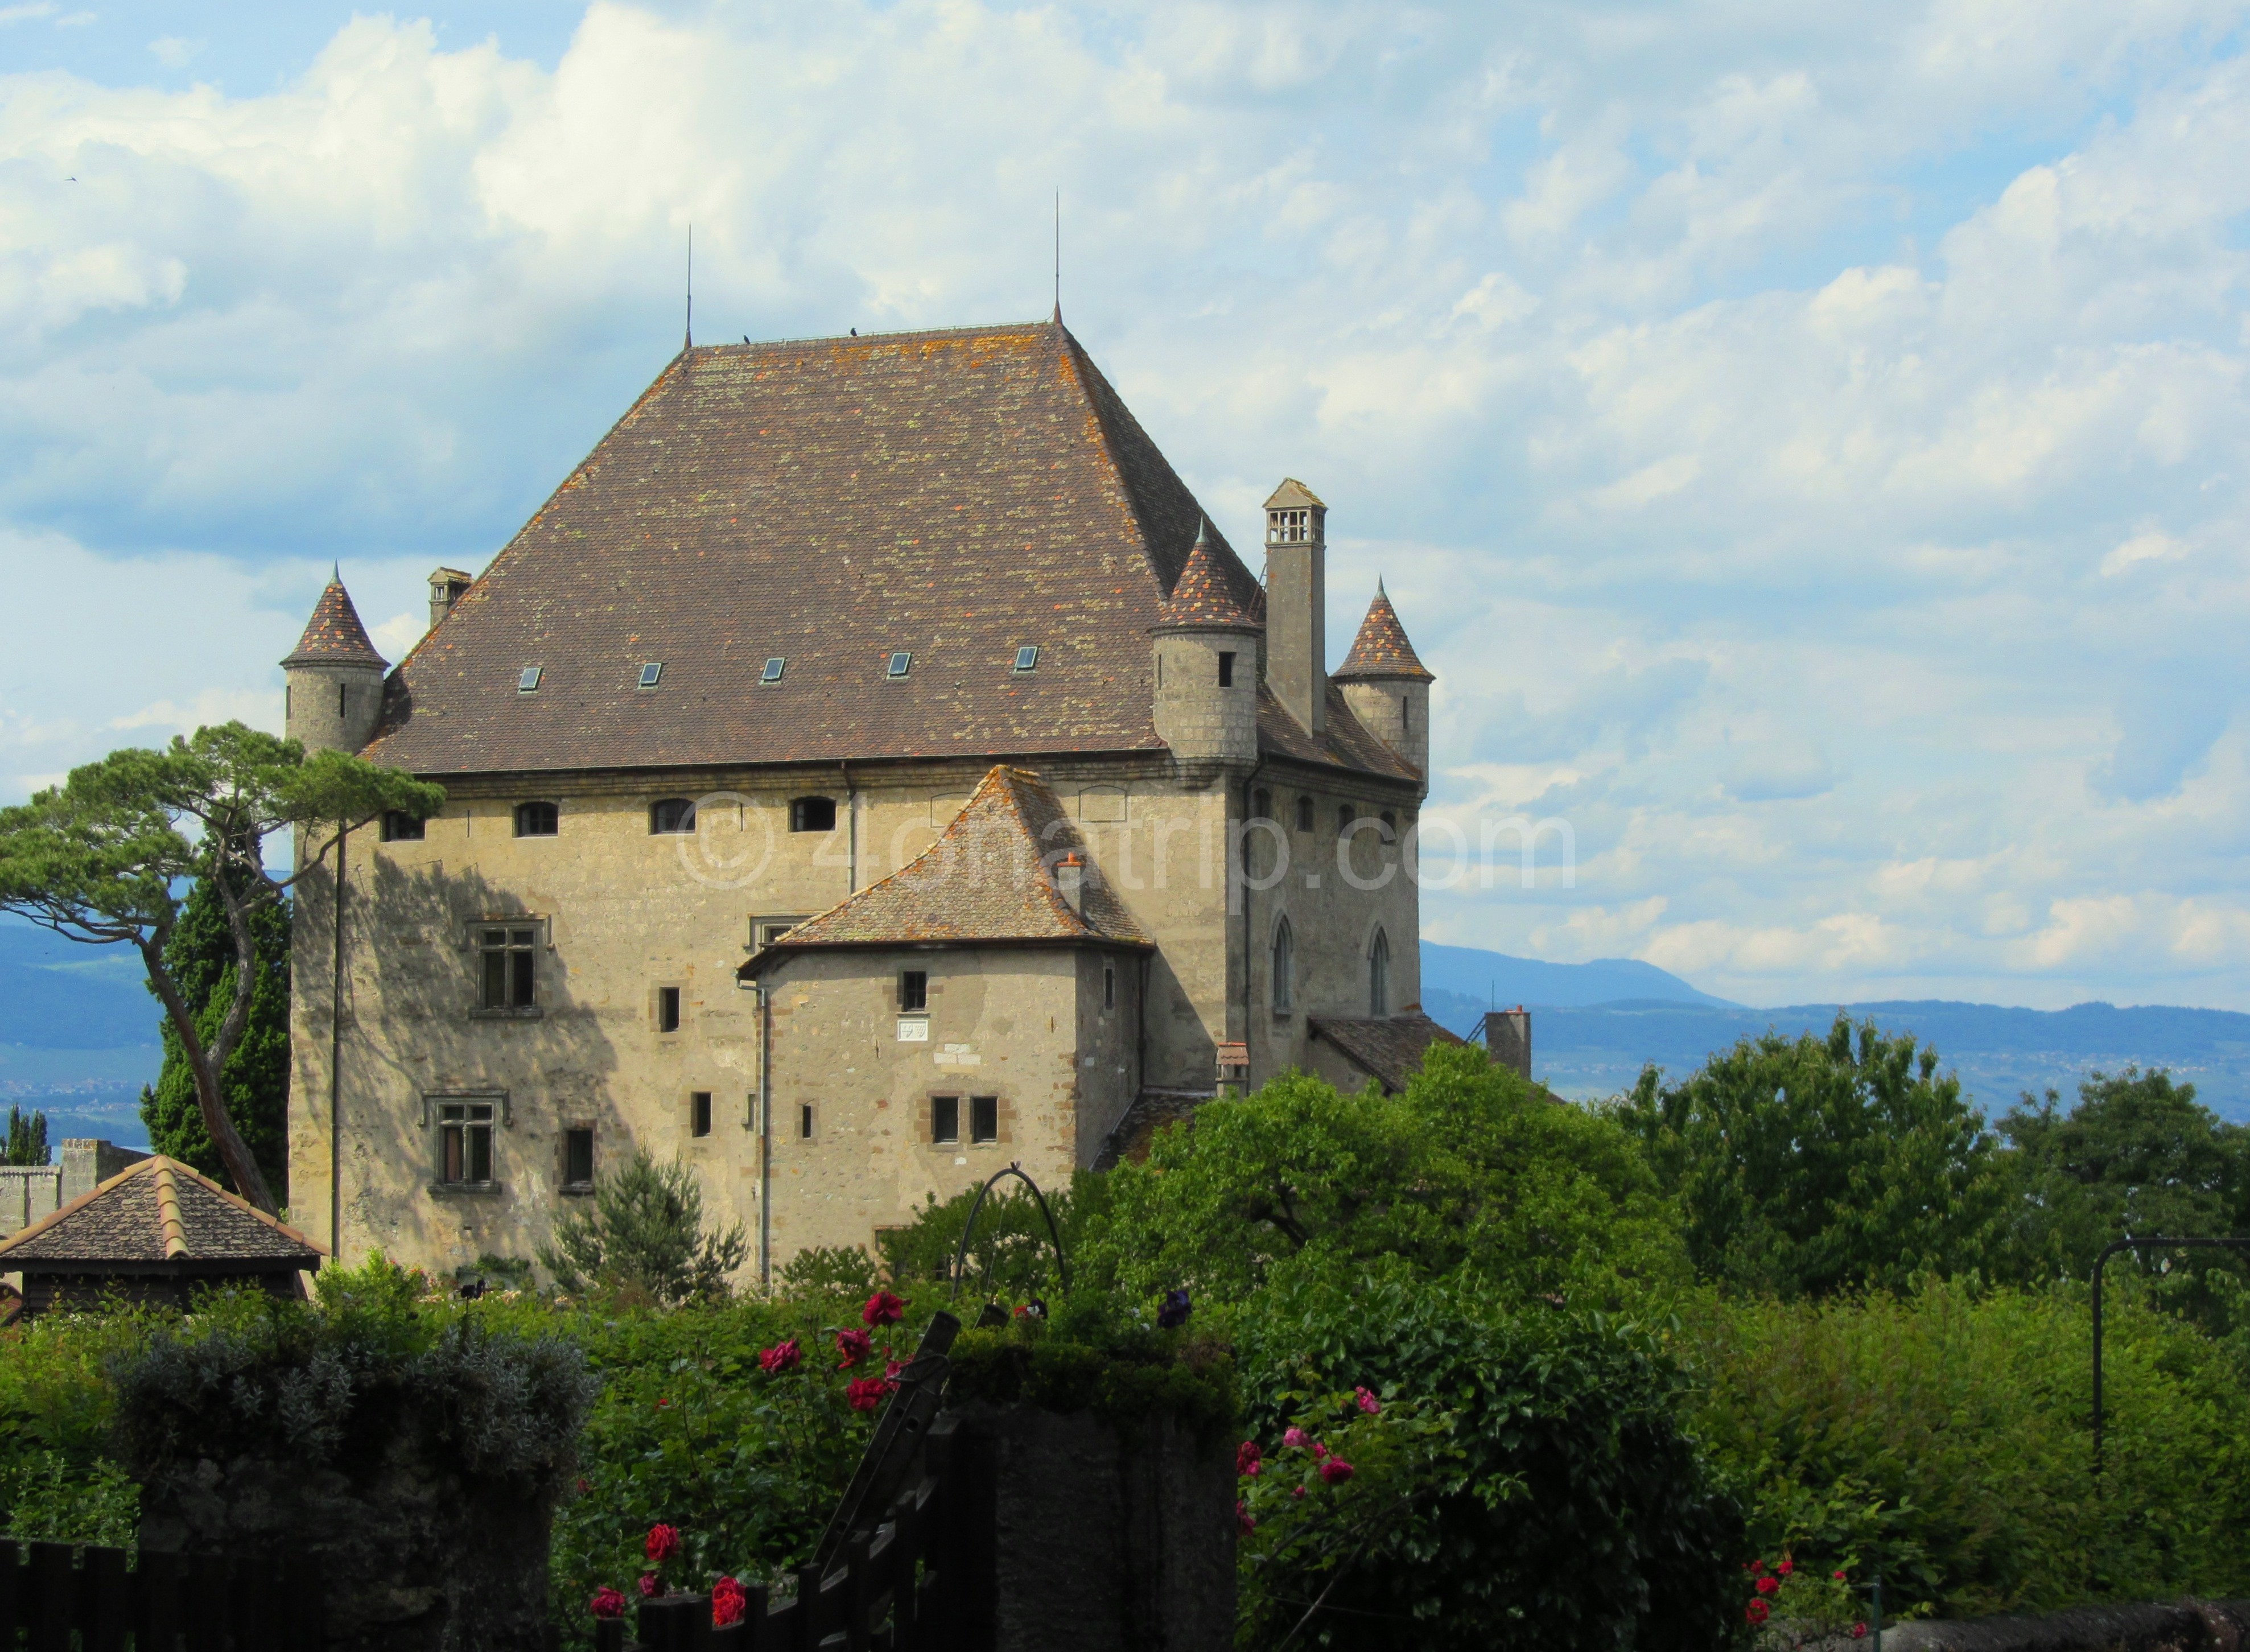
x=333 y=636
x=1381 y=648
x=989 y=877
x=159 y=1214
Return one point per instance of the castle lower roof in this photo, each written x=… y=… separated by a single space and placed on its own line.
x=159 y=1213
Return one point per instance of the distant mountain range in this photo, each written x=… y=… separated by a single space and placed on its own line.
x=77 y=1031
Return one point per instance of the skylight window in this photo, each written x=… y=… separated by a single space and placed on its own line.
x=528 y=680
x=1027 y=658
x=901 y=662
x=774 y=668
x=650 y=673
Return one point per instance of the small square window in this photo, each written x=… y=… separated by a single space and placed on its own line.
x=527 y=680
x=1027 y=659
x=805 y=1122
x=651 y=673
x=578 y=1158
x=537 y=820
x=464 y=1135
x=668 y=1009
x=1225 y=670
x=398 y=826
x=699 y=1113
x=945 y=1118
x=812 y=814
x=667 y=816
x=901 y=662
x=507 y=968
x=774 y=667
x=914 y=990
x=984 y=1118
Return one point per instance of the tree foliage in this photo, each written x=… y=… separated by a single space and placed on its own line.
x=1469 y=1170
x=643 y=1236
x=27 y=1138
x=1808 y=1165
x=201 y=955
x=103 y=858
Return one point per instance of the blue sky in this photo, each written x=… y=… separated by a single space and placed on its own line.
x=1810 y=443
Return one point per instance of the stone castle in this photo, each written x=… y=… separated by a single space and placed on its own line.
x=870 y=768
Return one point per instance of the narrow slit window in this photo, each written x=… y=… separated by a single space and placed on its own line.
x=651 y=673
x=1304 y=814
x=699 y=1113
x=774 y=667
x=1108 y=986
x=1027 y=659
x=668 y=1009
x=945 y=1119
x=464 y=1143
x=984 y=1118
x=805 y=1122
x=578 y=1158
x=537 y=820
x=1285 y=969
x=527 y=680
x=900 y=663
x=913 y=991
x=1225 y=669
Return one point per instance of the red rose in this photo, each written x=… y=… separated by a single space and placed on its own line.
x=1244 y=1523
x=728 y=1602
x=663 y=1543
x=864 y=1393
x=607 y=1603
x=1758 y=1612
x=1786 y=1567
x=891 y=1368
x=883 y=1309
x=649 y=1587
x=1299 y=1492
x=783 y=1356
x=1247 y=1459
x=1839 y=1577
x=1766 y=1585
x=1333 y=1471
x=584 y=1485
x=854 y=1346
x=1859 y=1631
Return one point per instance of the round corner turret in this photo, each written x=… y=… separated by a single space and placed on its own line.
x=333 y=696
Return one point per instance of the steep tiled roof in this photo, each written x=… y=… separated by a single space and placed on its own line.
x=1390 y=1049
x=956 y=494
x=158 y=1210
x=333 y=636
x=1381 y=648
x=1201 y=600
x=987 y=878
x=1345 y=741
x=1292 y=495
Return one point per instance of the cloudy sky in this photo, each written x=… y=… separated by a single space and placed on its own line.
x=1810 y=443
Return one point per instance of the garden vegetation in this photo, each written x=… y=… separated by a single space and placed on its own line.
x=1492 y=1367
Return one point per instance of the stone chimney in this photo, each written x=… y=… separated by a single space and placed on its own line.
x=446 y=586
x=1508 y=1038
x=1070 y=881
x=1296 y=603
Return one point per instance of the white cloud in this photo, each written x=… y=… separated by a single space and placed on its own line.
x=1811 y=448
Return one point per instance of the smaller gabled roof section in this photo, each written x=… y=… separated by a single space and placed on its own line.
x=1391 y=1050
x=1292 y=495
x=989 y=877
x=333 y=636
x=158 y=1210
x=1381 y=648
x=1200 y=599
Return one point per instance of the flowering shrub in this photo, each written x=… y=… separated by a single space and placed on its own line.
x=1791 y=1606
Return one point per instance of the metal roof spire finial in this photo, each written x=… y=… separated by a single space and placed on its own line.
x=690 y=342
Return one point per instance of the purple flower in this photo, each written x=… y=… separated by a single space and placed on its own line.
x=1174 y=1313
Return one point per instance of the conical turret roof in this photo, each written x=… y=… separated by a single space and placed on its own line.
x=1381 y=648
x=1200 y=599
x=333 y=636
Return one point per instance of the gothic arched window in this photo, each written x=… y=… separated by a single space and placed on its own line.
x=1378 y=975
x=1285 y=969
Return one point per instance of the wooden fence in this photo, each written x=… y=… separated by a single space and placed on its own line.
x=920 y=1580
x=51 y=1592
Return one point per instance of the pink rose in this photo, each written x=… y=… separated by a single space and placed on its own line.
x=1248 y=1460
x=1368 y=1402
x=1296 y=1439
x=607 y=1603
x=785 y=1356
x=650 y=1588
x=1335 y=1470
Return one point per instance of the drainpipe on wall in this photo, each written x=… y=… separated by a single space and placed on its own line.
x=1235 y=857
x=852 y=829
x=765 y=1134
x=335 y=1073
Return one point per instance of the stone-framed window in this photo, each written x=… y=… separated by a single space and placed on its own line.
x=1304 y=814
x=671 y=817
x=945 y=1121
x=578 y=1166
x=812 y=814
x=699 y=1112
x=984 y=1119
x=507 y=967
x=538 y=819
x=1378 y=975
x=914 y=991
x=1284 y=980
x=464 y=1144
x=398 y=826
x=668 y=1008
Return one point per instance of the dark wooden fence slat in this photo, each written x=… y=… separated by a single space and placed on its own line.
x=906 y=1568
x=55 y=1593
x=859 y=1590
x=11 y=1591
x=105 y=1601
x=156 y=1602
x=204 y=1601
x=609 y=1634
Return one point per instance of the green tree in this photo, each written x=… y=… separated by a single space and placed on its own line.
x=27 y=1138
x=1808 y=1165
x=103 y=859
x=1469 y=1169
x=645 y=1236
x=2138 y=1156
x=201 y=956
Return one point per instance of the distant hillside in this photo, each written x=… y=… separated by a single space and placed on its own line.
x=1478 y=977
x=77 y=1034
x=1592 y=1050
